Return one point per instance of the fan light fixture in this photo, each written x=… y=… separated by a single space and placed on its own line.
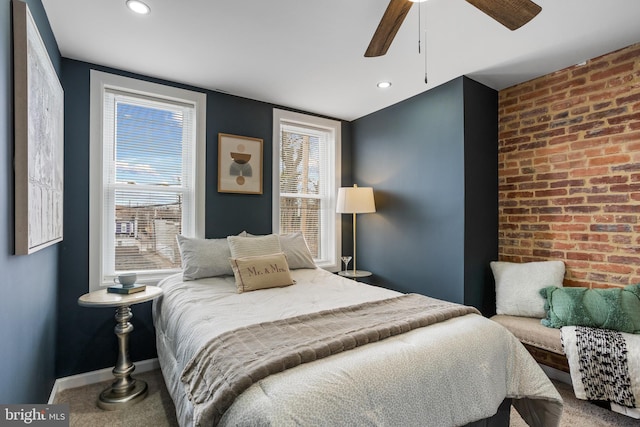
x=138 y=7
x=384 y=85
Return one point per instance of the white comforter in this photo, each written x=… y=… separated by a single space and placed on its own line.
x=447 y=374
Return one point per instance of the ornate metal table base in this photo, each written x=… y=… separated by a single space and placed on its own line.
x=125 y=391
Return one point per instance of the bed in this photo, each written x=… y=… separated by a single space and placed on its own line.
x=450 y=373
x=251 y=333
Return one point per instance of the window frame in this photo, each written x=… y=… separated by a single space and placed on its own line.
x=98 y=228
x=333 y=127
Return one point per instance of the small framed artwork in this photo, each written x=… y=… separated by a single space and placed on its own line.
x=239 y=164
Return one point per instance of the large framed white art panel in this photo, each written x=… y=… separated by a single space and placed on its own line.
x=39 y=138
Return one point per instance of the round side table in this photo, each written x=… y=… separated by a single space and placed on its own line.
x=355 y=274
x=125 y=391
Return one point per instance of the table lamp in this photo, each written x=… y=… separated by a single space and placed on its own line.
x=355 y=200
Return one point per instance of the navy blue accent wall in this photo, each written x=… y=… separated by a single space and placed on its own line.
x=481 y=194
x=29 y=282
x=432 y=161
x=88 y=343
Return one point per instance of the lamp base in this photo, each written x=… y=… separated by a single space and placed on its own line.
x=356 y=273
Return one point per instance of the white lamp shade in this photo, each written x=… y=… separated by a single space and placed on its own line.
x=355 y=200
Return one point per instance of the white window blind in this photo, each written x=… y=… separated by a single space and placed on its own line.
x=147 y=160
x=306 y=159
x=303 y=183
x=147 y=182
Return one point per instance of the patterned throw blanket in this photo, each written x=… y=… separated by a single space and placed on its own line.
x=233 y=361
x=604 y=364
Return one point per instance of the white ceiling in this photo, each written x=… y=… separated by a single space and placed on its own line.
x=308 y=54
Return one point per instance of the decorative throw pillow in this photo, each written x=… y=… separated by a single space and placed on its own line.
x=518 y=286
x=261 y=272
x=204 y=257
x=617 y=309
x=253 y=246
x=296 y=250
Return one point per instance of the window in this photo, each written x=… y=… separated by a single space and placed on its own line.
x=306 y=168
x=147 y=176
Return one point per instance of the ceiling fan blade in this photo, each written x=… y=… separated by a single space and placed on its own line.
x=388 y=27
x=513 y=14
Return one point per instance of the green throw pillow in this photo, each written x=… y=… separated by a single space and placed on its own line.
x=615 y=308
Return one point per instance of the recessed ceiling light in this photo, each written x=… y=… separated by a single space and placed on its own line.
x=138 y=7
x=384 y=85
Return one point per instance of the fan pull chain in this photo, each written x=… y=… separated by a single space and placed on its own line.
x=419 y=25
x=426 y=80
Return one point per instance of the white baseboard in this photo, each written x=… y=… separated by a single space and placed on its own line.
x=93 y=377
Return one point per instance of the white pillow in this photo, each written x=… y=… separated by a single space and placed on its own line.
x=295 y=249
x=253 y=246
x=518 y=286
x=204 y=257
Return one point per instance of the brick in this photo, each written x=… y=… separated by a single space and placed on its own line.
x=632 y=167
x=534 y=112
x=584 y=172
x=611 y=130
x=569 y=84
x=607 y=113
x=624 y=119
x=628 y=99
x=563 y=139
x=549 y=134
x=547 y=211
x=617 y=259
x=568 y=201
x=535 y=94
x=612 y=71
x=551 y=193
x=609 y=160
x=600 y=247
x=579 y=91
x=535 y=227
x=611 y=228
x=626 y=188
x=615 y=198
x=625 y=138
x=625 y=55
x=615 y=268
x=586 y=256
x=602 y=105
x=589 y=237
x=615 y=179
x=533 y=185
x=581 y=209
x=622 y=208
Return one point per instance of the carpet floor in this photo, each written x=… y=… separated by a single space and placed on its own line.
x=157 y=409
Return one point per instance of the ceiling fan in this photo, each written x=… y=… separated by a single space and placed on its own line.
x=511 y=13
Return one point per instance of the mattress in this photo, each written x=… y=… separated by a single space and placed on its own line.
x=450 y=373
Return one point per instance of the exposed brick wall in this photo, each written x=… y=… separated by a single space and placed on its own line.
x=569 y=170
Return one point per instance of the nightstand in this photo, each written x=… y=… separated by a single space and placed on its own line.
x=125 y=391
x=355 y=274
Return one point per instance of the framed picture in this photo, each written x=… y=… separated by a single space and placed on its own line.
x=239 y=164
x=39 y=138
